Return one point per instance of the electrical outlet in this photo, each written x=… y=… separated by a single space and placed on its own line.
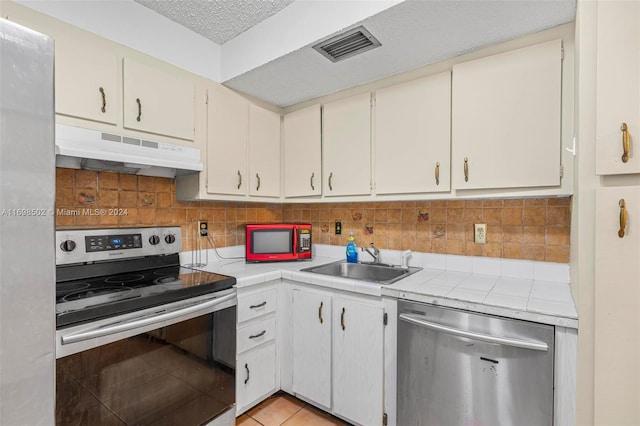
x=480 y=233
x=338 y=227
x=203 y=228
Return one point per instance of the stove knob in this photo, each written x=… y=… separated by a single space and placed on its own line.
x=154 y=240
x=68 y=245
x=170 y=239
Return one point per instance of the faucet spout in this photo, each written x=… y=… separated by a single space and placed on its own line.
x=375 y=254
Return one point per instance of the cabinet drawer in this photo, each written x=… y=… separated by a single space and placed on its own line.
x=255 y=304
x=253 y=335
x=255 y=375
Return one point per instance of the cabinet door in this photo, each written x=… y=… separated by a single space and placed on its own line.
x=302 y=153
x=346 y=133
x=413 y=136
x=357 y=361
x=156 y=101
x=86 y=81
x=311 y=321
x=618 y=87
x=506 y=119
x=264 y=152
x=617 y=308
x=227 y=136
x=255 y=375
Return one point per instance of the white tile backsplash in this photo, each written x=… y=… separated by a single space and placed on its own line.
x=432 y=260
x=517 y=268
x=486 y=265
x=459 y=263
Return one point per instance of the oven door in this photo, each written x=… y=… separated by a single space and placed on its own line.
x=172 y=364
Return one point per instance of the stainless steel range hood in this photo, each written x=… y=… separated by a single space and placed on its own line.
x=80 y=148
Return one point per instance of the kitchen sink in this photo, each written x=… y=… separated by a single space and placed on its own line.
x=379 y=273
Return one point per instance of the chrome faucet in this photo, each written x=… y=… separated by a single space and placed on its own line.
x=375 y=254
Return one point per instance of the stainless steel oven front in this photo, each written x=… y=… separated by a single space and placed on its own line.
x=173 y=364
x=140 y=339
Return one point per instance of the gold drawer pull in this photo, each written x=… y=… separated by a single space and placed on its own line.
x=466 y=169
x=437 y=173
x=626 y=142
x=623 y=217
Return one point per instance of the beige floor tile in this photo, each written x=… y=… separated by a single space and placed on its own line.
x=245 y=420
x=310 y=416
x=276 y=410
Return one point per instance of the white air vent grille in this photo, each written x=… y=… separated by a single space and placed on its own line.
x=348 y=44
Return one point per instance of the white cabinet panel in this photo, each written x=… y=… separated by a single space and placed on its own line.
x=506 y=115
x=358 y=361
x=156 y=101
x=227 y=141
x=346 y=139
x=618 y=86
x=302 y=153
x=413 y=136
x=86 y=81
x=617 y=308
x=255 y=375
x=264 y=152
x=311 y=324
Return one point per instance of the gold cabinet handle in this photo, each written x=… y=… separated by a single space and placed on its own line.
x=139 y=109
x=626 y=142
x=342 y=319
x=437 y=173
x=104 y=100
x=320 y=313
x=258 y=177
x=466 y=169
x=239 y=179
x=623 y=217
x=330 y=179
x=313 y=188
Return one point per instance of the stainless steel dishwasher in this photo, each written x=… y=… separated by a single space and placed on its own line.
x=462 y=368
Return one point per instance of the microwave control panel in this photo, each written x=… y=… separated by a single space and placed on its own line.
x=304 y=240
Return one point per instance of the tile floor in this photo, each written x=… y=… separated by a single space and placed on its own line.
x=283 y=409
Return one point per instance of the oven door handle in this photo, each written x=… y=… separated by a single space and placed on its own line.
x=119 y=327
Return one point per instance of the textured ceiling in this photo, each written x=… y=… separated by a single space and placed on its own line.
x=217 y=20
x=412 y=33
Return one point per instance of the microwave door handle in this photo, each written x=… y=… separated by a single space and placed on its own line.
x=296 y=248
x=119 y=327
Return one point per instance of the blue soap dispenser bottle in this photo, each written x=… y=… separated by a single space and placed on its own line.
x=352 y=249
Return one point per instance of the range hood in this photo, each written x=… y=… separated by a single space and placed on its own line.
x=80 y=148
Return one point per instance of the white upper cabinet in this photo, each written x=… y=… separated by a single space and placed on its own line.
x=227 y=141
x=86 y=81
x=506 y=117
x=346 y=136
x=264 y=152
x=303 y=153
x=156 y=101
x=413 y=136
x=618 y=88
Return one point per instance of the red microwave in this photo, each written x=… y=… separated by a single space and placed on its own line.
x=272 y=242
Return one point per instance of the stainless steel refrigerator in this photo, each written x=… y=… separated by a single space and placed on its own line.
x=27 y=195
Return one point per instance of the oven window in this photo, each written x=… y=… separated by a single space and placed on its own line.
x=272 y=241
x=181 y=374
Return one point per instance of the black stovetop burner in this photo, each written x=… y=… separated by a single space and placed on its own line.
x=127 y=286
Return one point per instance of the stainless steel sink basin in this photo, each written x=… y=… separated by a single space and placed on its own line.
x=377 y=273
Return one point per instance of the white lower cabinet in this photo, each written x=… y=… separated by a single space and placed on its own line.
x=256 y=372
x=311 y=330
x=358 y=361
x=335 y=352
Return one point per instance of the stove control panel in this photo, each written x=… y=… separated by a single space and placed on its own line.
x=90 y=245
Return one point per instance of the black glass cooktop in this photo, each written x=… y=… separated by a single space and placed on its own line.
x=88 y=299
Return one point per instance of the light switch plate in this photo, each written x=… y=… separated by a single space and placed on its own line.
x=480 y=233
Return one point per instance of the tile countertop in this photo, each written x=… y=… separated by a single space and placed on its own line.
x=527 y=290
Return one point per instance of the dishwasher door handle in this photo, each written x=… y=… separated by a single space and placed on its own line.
x=526 y=344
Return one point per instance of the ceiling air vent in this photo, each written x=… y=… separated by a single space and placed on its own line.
x=348 y=44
